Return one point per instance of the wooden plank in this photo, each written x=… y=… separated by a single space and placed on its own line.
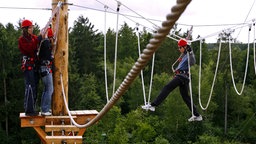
x=67 y=128
x=57 y=120
x=31 y=121
x=59 y=117
x=67 y=139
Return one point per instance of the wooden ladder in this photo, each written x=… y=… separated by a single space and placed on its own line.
x=61 y=130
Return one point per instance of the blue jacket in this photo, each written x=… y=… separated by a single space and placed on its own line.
x=183 y=64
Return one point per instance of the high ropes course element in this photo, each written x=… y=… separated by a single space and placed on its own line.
x=228 y=31
x=146 y=55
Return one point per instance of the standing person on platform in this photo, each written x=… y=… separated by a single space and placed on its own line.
x=45 y=64
x=181 y=79
x=28 y=44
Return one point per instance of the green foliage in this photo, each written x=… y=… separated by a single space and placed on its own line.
x=126 y=122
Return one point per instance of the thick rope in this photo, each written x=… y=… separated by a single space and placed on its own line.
x=147 y=53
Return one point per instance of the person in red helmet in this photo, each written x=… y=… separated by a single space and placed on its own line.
x=28 y=44
x=180 y=79
x=45 y=68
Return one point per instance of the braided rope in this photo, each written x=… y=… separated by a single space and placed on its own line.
x=147 y=53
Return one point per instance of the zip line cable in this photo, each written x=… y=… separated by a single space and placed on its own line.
x=127 y=15
x=246 y=18
x=25 y=8
x=246 y=67
x=124 y=15
x=139 y=15
x=221 y=31
x=214 y=78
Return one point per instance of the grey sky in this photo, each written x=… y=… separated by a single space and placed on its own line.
x=199 y=13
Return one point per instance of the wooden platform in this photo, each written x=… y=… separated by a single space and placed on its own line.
x=59 y=129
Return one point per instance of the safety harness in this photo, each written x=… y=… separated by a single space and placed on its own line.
x=27 y=63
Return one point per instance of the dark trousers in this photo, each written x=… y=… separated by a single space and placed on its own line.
x=31 y=82
x=183 y=84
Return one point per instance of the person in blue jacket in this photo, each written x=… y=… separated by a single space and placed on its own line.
x=180 y=79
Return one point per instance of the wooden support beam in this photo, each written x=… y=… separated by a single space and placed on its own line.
x=31 y=121
x=60 y=59
x=67 y=139
x=80 y=116
x=66 y=128
x=41 y=134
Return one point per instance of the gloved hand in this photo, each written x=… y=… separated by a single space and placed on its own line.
x=189 y=49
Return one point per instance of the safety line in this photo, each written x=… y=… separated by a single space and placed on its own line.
x=246 y=67
x=141 y=73
x=190 y=85
x=66 y=105
x=214 y=78
x=116 y=43
x=105 y=53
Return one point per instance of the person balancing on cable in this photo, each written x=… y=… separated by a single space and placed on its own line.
x=181 y=79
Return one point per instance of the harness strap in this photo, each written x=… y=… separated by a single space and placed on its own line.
x=28 y=63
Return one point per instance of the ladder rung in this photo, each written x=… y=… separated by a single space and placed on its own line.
x=68 y=128
x=67 y=139
x=59 y=117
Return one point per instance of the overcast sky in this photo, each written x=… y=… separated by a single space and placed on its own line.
x=199 y=13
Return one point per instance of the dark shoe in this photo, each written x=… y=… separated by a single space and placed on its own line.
x=32 y=114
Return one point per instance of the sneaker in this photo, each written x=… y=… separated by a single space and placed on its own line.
x=46 y=113
x=148 y=107
x=195 y=118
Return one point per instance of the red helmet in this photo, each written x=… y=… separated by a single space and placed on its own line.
x=50 y=34
x=26 y=23
x=182 y=42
